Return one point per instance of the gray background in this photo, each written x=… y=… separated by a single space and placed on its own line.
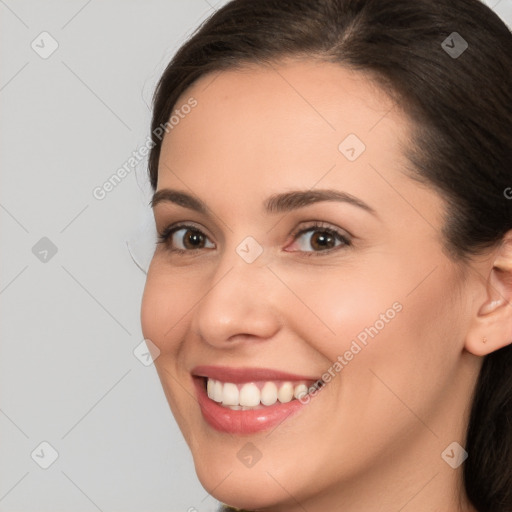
x=70 y=320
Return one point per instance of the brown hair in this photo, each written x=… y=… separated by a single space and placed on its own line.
x=462 y=109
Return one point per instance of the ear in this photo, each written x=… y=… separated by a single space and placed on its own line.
x=491 y=329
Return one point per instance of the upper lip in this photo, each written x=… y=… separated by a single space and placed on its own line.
x=246 y=374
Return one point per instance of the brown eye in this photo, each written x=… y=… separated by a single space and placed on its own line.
x=185 y=238
x=318 y=239
x=322 y=240
x=192 y=239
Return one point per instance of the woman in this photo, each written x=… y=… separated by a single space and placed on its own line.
x=331 y=291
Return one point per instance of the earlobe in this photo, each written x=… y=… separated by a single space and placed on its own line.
x=491 y=328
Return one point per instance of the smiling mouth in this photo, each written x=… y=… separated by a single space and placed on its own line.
x=255 y=394
x=250 y=400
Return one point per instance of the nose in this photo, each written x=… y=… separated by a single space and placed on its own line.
x=240 y=304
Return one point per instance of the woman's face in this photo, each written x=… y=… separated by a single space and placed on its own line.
x=299 y=250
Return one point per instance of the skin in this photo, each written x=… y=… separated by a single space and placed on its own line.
x=372 y=438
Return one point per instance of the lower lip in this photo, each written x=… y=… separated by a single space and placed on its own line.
x=227 y=420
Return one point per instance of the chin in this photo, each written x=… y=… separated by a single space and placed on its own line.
x=245 y=488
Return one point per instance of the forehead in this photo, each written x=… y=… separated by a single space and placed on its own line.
x=280 y=124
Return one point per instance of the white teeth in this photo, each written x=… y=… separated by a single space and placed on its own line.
x=300 y=391
x=217 y=391
x=269 y=394
x=285 y=393
x=209 y=388
x=230 y=394
x=248 y=396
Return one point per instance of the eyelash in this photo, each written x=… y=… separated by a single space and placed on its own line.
x=319 y=226
x=167 y=233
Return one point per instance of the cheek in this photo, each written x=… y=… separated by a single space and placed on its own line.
x=380 y=327
x=166 y=300
x=331 y=309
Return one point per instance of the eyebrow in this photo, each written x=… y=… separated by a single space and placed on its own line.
x=277 y=203
x=179 y=198
x=280 y=203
